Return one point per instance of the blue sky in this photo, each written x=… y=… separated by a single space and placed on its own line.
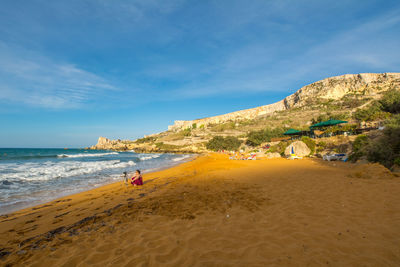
x=71 y=71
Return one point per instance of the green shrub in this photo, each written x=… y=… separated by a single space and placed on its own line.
x=310 y=143
x=246 y=122
x=321 y=117
x=159 y=144
x=342 y=148
x=340 y=116
x=359 y=146
x=383 y=149
x=162 y=146
x=390 y=102
x=321 y=146
x=279 y=148
x=224 y=126
x=352 y=101
x=378 y=151
x=224 y=143
x=256 y=138
x=348 y=127
x=386 y=148
x=272 y=149
x=341 y=128
x=194 y=125
x=393 y=122
x=186 y=132
x=145 y=140
x=373 y=112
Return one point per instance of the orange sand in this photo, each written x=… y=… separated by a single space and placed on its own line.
x=217 y=212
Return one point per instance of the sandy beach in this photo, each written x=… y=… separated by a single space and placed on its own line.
x=213 y=211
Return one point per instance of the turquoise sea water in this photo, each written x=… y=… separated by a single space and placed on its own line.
x=33 y=176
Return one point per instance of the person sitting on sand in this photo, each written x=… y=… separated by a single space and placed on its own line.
x=137 y=179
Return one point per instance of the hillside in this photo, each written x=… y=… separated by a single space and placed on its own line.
x=334 y=97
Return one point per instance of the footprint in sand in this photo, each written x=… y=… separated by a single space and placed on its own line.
x=23 y=231
x=60 y=215
x=36 y=208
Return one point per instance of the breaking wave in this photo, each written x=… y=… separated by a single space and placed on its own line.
x=56 y=170
x=86 y=155
x=181 y=158
x=147 y=157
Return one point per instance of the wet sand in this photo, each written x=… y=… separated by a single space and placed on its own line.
x=213 y=211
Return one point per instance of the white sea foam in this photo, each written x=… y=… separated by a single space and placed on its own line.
x=53 y=170
x=86 y=155
x=147 y=157
x=181 y=158
x=27 y=181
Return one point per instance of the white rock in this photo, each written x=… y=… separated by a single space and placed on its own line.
x=299 y=148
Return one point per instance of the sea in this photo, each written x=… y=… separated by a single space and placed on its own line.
x=30 y=176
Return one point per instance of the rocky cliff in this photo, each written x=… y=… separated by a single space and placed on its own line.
x=105 y=143
x=334 y=88
x=294 y=111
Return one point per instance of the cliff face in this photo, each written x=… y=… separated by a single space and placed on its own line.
x=296 y=110
x=237 y=115
x=334 y=88
x=119 y=145
x=365 y=84
x=105 y=143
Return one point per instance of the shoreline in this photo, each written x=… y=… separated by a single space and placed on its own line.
x=195 y=213
x=78 y=191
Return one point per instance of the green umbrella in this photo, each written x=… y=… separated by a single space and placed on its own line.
x=327 y=123
x=292 y=132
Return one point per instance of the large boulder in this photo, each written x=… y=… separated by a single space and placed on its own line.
x=299 y=148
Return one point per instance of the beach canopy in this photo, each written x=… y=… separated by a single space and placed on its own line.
x=327 y=123
x=292 y=132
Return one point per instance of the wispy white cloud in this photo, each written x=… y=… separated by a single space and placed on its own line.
x=261 y=67
x=240 y=48
x=367 y=38
x=39 y=81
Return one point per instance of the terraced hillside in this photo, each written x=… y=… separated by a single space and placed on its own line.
x=336 y=97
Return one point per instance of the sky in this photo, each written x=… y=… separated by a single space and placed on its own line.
x=74 y=70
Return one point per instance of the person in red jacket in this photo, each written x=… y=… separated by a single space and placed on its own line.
x=137 y=179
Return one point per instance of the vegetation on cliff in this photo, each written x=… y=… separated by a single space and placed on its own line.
x=380 y=109
x=310 y=143
x=256 y=138
x=330 y=116
x=365 y=101
x=228 y=143
x=279 y=148
x=145 y=140
x=384 y=146
x=330 y=94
